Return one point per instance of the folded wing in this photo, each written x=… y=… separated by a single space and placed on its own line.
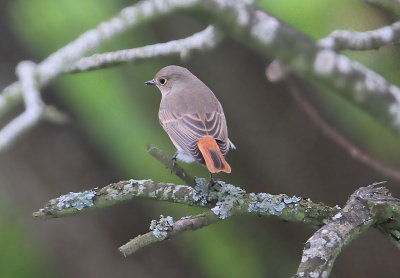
x=185 y=130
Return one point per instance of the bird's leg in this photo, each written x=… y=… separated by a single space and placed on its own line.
x=173 y=162
x=211 y=183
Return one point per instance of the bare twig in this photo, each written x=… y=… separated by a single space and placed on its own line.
x=338 y=138
x=344 y=39
x=366 y=207
x=203 y=40
x=33 y=106
x=167 y=162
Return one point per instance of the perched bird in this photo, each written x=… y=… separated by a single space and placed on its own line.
x=193 y=118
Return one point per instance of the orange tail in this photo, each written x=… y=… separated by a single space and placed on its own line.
x=215 y=161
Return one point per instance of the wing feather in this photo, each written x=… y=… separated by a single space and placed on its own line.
x=185 y=130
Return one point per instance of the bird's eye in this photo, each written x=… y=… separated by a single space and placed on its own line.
x=162 y=81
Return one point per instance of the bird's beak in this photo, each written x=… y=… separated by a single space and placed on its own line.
x=151 y=82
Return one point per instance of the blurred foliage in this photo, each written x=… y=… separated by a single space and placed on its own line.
x=20 y=256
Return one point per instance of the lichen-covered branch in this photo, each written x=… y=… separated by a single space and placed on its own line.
x=352 y=40
x=203 y=40
x=162 y=230
x=223 y=200
x=81 y=202
x=368 y=206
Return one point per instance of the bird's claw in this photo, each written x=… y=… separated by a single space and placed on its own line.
x=173 y=163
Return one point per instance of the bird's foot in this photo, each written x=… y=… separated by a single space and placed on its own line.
x=211 y=183
x=173 y=162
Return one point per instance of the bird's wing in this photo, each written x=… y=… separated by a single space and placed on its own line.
x=185 y=130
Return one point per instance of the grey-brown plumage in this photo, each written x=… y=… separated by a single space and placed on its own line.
x=191 y=114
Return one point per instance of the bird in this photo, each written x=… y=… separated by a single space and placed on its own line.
x=193 y=118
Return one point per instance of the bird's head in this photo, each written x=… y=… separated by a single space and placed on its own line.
x=170 y=77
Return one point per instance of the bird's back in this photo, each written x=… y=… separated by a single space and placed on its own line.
x=189 y=112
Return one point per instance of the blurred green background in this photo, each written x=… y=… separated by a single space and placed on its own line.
x=113 y=115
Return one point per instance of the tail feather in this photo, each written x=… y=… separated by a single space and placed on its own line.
x=213 y=157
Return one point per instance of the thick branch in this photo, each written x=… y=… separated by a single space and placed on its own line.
x=344 y=39
x=294 y=208
x=81 y=202
x=367 y=207
x=203 y=40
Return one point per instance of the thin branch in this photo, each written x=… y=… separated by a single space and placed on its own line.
x=368 y=206
x=33 y=106
x=167 y=162
x=182 y=225
x=35 y=109
x=352 y=40
x=338 y=138
x=390 y=5
x=206 y=39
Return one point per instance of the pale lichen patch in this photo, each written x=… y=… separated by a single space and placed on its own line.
x=166 y=193
x=114 y=193
x=265 y=27
x=325 y=62
x=162 y=227
x=314 y=274
x=201 y=191
x=337 y=216
x=229 y=197
x=78 y=200
x=264 y=203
